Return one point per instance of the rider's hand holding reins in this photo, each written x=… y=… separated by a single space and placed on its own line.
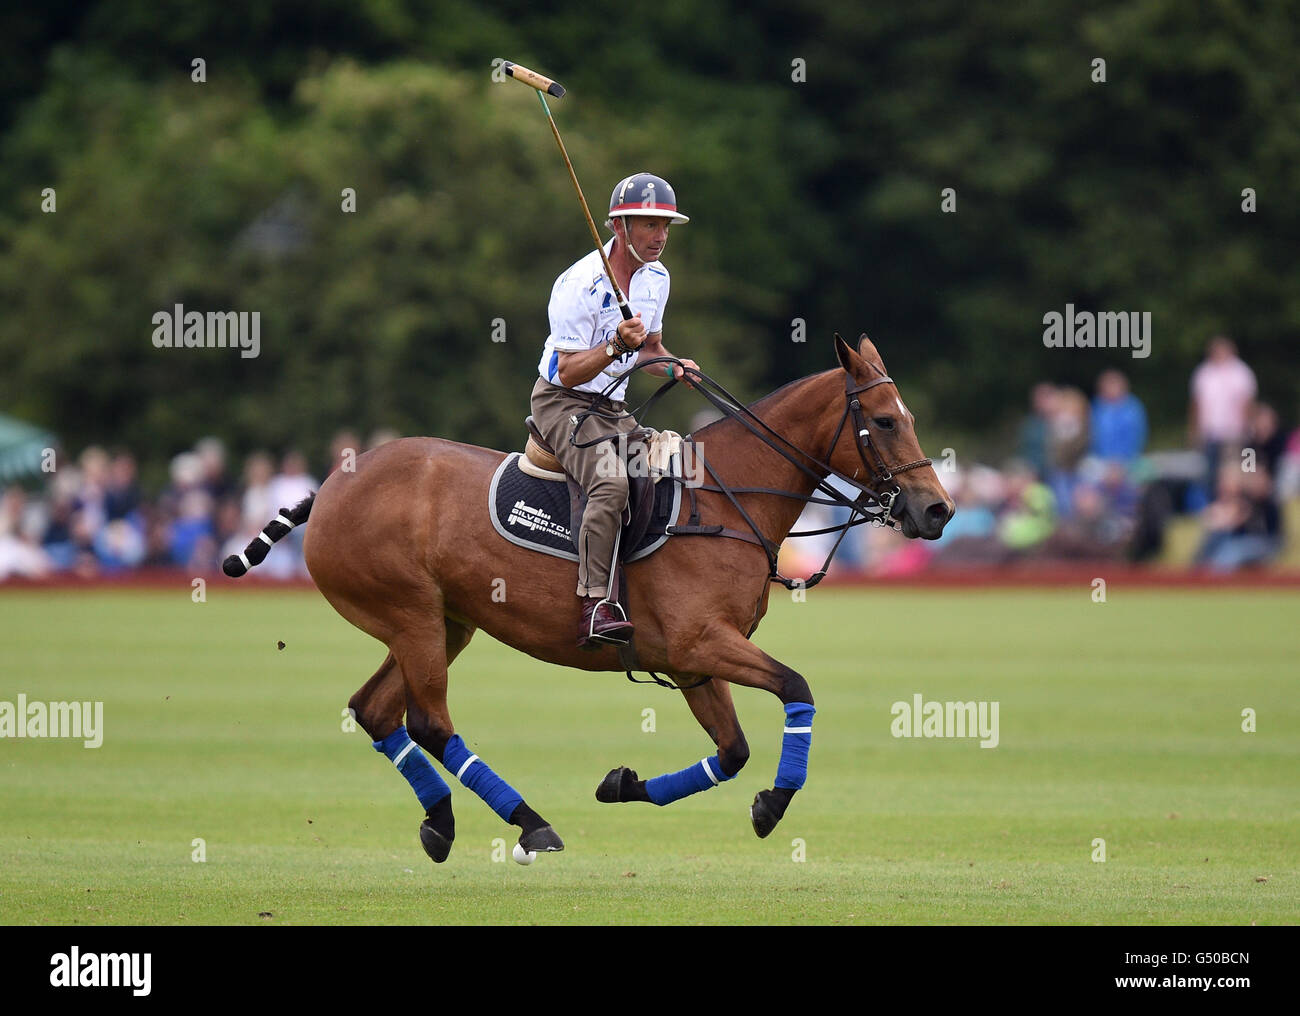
x=679 y=374
x=654 y=349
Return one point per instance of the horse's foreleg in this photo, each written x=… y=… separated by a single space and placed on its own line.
x=711 y=703
x=728 y=655
x=423 y=657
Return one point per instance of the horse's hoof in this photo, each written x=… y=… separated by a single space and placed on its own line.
x=435 y=844
x=542 y=841
x=764 y=812
x=612 y=786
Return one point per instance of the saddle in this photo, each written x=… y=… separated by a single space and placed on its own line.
x=654 y=448
x=534 y=504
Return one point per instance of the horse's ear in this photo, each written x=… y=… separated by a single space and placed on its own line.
x=844 y=353
x=867 y=350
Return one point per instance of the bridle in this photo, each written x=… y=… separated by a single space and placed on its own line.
x=878 y=472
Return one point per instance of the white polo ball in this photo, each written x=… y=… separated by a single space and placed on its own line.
x=523 y=856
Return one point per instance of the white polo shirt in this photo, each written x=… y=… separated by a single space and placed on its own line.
x=584 y=313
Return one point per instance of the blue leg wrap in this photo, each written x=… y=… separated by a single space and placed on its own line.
x=792 y=770
x=472 y=771
x=674 y=786
x=429 y=787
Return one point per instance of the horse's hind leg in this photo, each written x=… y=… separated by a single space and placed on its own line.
x=422 y=653
x=711 y=703
x=378 y=706
x=379 y=703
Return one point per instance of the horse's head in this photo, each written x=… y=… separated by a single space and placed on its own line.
x=881 y=449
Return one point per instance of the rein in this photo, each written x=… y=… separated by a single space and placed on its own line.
x=876 y=500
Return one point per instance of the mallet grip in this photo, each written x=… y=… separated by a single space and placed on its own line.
x=542 y=84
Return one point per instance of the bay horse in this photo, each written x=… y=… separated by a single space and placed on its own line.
x=403 y=548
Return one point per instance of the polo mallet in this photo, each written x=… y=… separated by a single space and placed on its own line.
x=544 y=86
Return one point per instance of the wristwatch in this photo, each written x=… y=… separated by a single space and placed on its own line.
x=610 y=351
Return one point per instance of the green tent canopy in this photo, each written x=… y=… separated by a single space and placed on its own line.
x=22 y=448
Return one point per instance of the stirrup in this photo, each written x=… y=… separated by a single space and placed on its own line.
x=592 y=636
x=622 y=614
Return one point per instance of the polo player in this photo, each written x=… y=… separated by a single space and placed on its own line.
x=588 y=348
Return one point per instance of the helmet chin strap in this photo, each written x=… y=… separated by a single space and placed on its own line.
x=628 y=239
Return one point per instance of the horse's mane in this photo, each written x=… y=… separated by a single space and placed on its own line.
x=756 y=406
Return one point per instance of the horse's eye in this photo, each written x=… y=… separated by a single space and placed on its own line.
x=884 y=422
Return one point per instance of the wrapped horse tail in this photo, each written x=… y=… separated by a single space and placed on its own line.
x=278 y=528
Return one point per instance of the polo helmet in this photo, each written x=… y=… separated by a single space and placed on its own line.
x=645 y=194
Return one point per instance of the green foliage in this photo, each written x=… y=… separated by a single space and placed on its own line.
x=1123 y=195
x=195 y=194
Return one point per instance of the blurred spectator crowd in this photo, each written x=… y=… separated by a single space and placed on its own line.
x=92 y=518
x=1083 y=486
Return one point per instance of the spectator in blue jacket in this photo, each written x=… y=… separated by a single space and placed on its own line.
x=1119 y=423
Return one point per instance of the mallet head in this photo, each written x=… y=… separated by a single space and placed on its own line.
x=532 y=78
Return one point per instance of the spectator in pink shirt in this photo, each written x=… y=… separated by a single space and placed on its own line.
x=1223 y=388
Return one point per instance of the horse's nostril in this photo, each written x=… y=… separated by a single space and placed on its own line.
x=938 y=513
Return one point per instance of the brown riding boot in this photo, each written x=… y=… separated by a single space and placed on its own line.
x=602 y=625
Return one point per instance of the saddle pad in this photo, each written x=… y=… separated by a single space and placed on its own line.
x=534 y=513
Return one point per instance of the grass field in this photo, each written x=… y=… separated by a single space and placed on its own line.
x=1119 y=721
